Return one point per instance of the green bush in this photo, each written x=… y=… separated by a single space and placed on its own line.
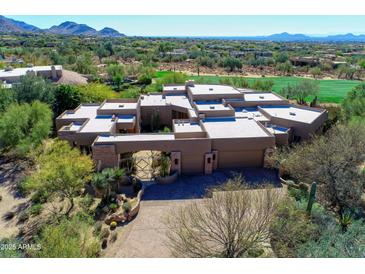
x=70 y=238
x=113 y=207
x=127 y=207
x=290 y=229
x=35 y=209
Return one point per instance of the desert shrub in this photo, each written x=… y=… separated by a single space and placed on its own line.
x=35 y=209
x=23 y=216
x=12 y=251
x=113 y=236
x=127 y=207
x=113 y=207
x=86 y=202
x=104 y=233
x=97 y=227
x=289 y=229
x=70 y=238
x=335 y=243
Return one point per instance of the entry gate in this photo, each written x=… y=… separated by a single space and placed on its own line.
x=144 y=166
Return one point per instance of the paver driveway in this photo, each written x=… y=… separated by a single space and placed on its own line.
x=145 y=236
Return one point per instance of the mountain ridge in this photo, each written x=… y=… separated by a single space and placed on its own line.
x=9 y=25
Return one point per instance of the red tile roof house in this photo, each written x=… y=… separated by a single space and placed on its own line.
x=213 y=126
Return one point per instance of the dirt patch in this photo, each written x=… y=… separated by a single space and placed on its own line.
x=11 y=172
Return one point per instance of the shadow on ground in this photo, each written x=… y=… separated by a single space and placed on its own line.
x=195 y=186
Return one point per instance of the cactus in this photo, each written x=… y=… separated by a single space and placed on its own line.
x=312 y=197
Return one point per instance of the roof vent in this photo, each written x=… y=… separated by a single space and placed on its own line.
x=292 y=113
x=210 y=89
x=121 y=106
x=212 y=107
x=175 y=88
x=262 y=97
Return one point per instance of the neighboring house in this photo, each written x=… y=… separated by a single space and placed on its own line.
x=213 y=126
x=13 y=75
x=304 y=61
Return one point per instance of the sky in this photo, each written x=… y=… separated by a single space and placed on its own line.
x=209 y=25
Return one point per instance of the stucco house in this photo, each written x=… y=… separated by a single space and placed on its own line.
x=213 y=126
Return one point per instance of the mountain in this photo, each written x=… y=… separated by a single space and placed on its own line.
x=72 y=28
x=66 y=28
x=10 y=25
x=109 y=32
x=286 y=37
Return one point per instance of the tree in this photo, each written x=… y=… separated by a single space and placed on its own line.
x=232 y=223
x=232 y=63
x=84 y=64
x=290 y=228
x=92 y=93
x=354 y=103
x=62 y=172
x=24 y=126
x=116 y=74
x=33 y=88
x=301 y=90
x=333 y=161
x=286 y=68
x=67 y=97
x=7 y=97
x=71 y=238
x=316 y=72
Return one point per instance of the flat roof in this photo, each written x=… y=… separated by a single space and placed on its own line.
x=174 y=88
x=134 y=137
x=293 y=113
x=213 y=89
x=233 y=128
x=261 y=97
x=277 y=130
x=183 y=126
x=119 y=105
x=101 y=123
x=248 y=112
x=163 y=100
x=210 y=106
x=84 y=111
x=17 y=72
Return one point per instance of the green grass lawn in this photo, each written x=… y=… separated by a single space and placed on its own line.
x=331 y=91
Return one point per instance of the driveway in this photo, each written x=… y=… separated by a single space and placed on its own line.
x=145 y=236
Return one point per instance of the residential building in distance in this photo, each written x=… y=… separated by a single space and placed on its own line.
x=213 y=126
x=12 y=75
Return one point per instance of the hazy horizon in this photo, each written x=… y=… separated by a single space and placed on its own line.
x=208 y=25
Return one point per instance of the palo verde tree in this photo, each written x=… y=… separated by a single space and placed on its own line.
x=334 y=161
x=24 y=126
x=301 y=90
x=232 y=223
x=62 y=172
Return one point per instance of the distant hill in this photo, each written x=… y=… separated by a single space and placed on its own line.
x=66 y=28
x=72 y=28
x=10 y=25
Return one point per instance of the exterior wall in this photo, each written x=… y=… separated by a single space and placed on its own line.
x=299 y=129
x=105 y=156
x=242 y=158
x=165 y=113
x=245 y=152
